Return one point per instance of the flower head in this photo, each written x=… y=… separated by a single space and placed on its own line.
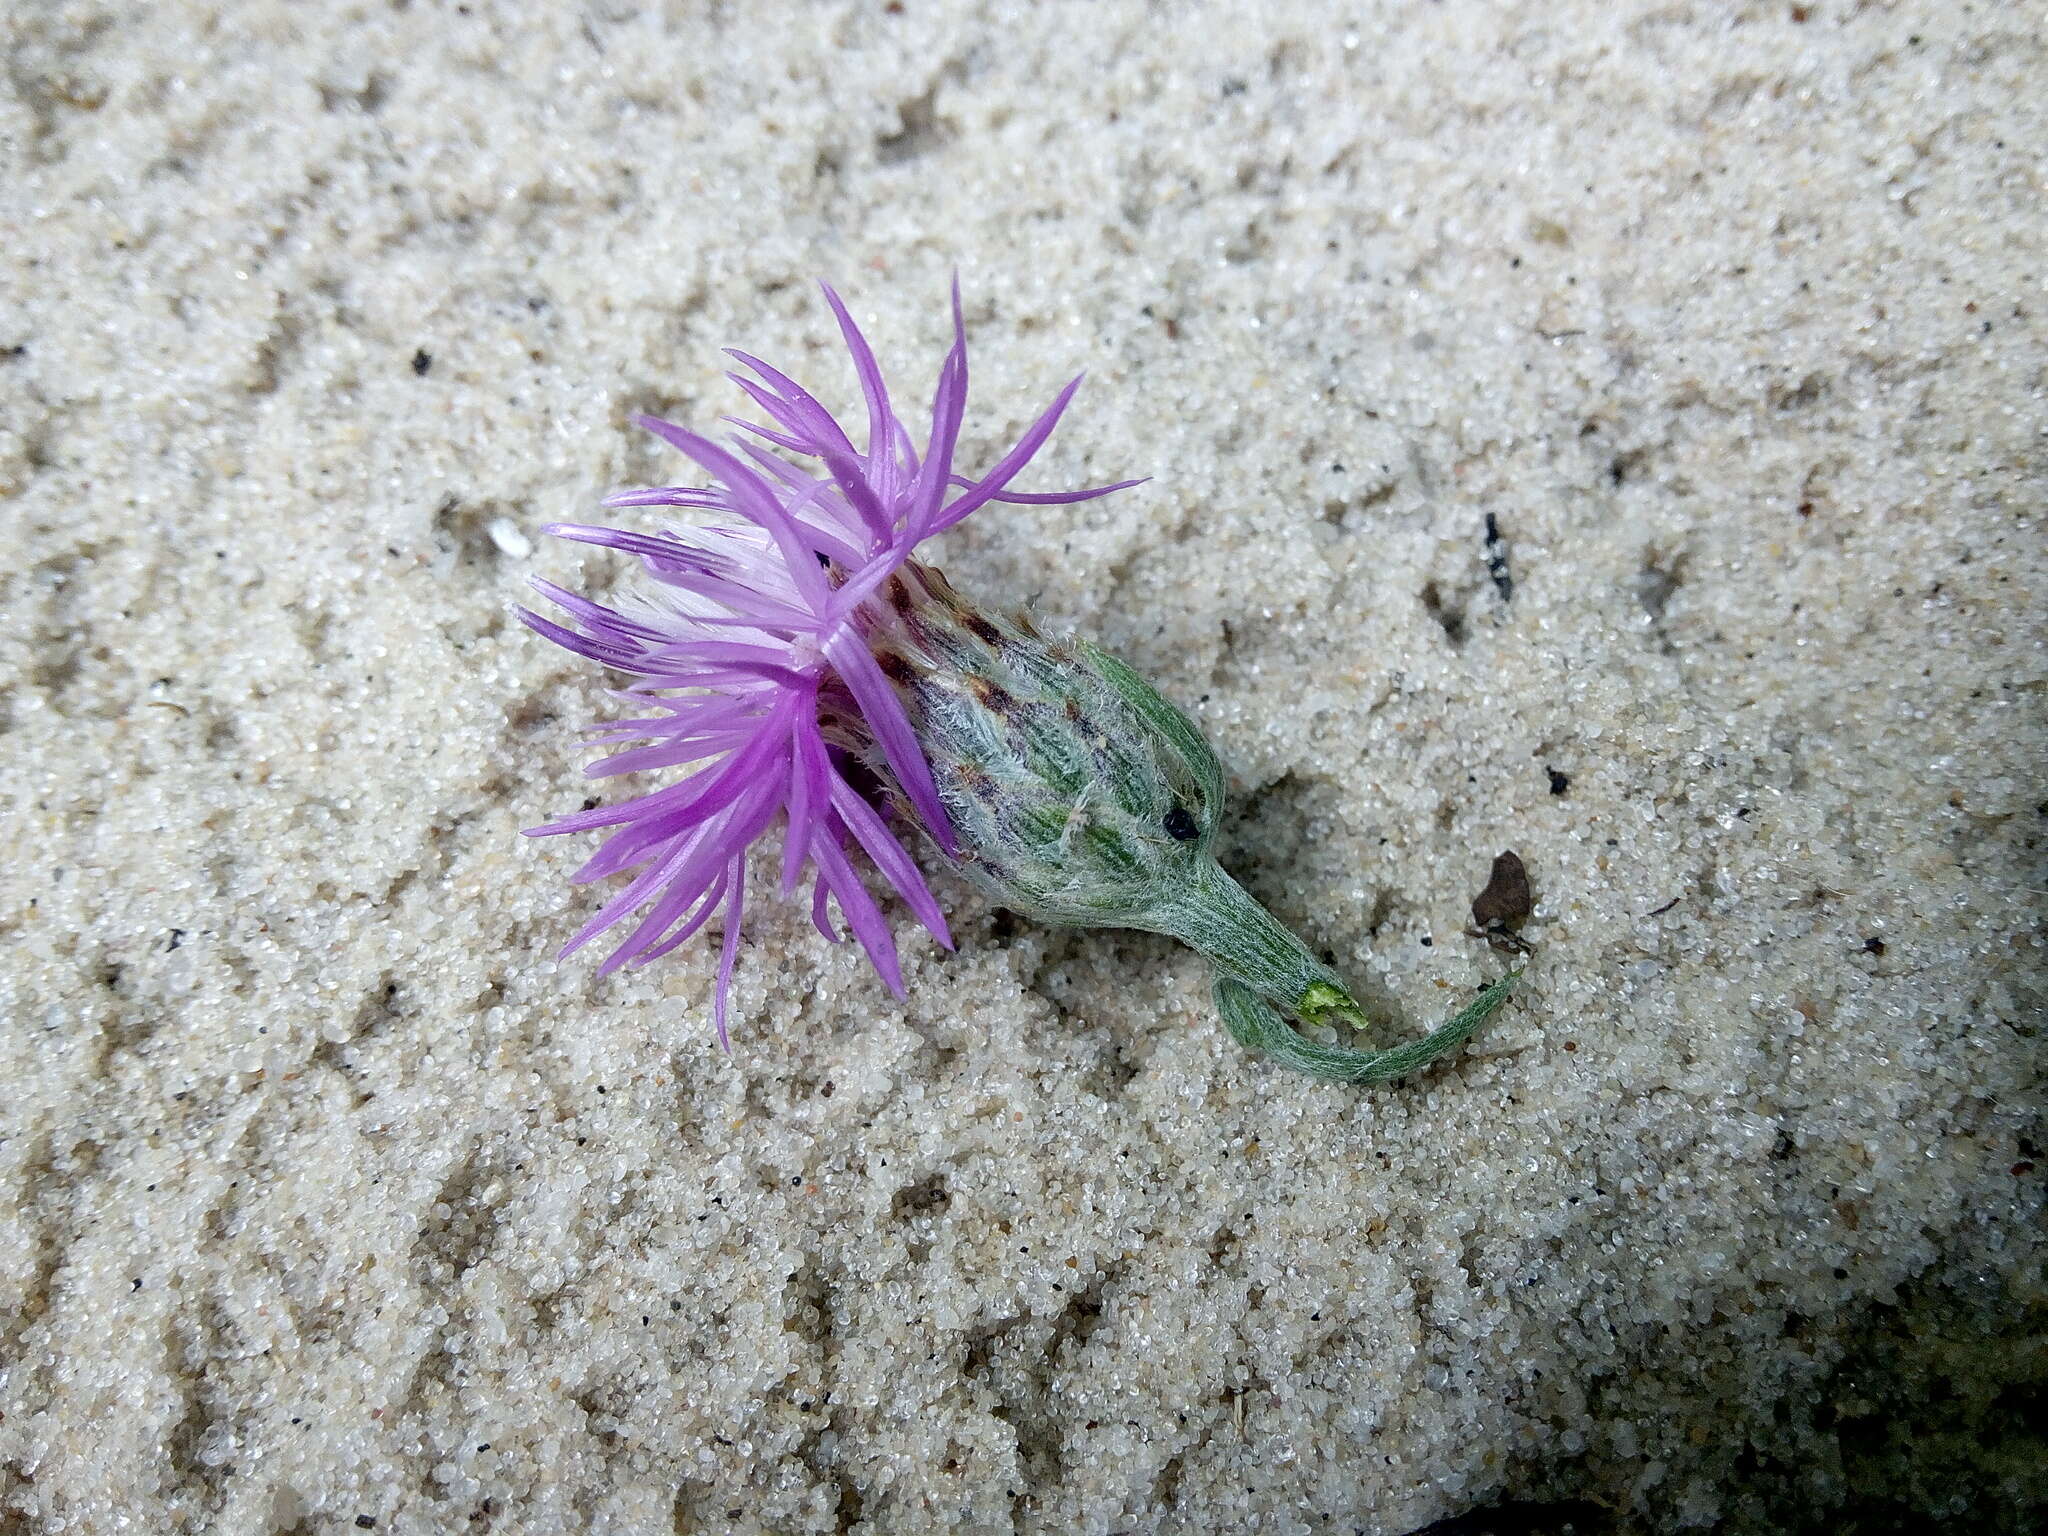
x=755 y=635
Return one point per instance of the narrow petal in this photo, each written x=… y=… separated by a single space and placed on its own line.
x=806 y=787
x=612 y=815
x=752 y=498
x=707 y=904
x=821 y=910
x=610 y=654
x=628 y=900
x=770 y=661
x=665 y=496
x=949 y=403
x=884 y=715
x=677 y=893
x=795 y=407
x=901 y=871
x=695 y=799
x=860 y=586
x=832 y=540
x=653 y=546
x=781 y=440
x=817 y=432
x=1013 y=461
x=881 y=420
x=735 y=905
x=661 y=754
x=1051 y=498
x=736 y=838
x=687 y=873
x=592 y=614
x=861 y=913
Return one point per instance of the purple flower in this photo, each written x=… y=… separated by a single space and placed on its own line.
x=756 y=635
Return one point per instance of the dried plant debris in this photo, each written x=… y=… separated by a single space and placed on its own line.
x=1499 y=911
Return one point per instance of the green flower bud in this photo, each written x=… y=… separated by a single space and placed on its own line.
x=1080 y=797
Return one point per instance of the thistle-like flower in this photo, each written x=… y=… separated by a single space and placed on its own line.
x=803 y=666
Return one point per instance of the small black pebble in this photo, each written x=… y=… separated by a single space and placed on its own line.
x=1559 y=782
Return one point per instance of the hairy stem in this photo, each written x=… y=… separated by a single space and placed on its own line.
x=1257 y=1025
x=1265 y=975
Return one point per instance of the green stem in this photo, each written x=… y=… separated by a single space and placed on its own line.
x=1265 y=974
x=1211 y=912
x=1257 y=1025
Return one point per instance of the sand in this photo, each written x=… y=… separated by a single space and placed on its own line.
x=332 y=1203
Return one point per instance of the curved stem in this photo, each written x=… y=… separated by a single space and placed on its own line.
x=1209 y=911
x=1265 y=975
x=1257 y=1025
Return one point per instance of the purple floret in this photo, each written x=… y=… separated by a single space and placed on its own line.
x=762 y=627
